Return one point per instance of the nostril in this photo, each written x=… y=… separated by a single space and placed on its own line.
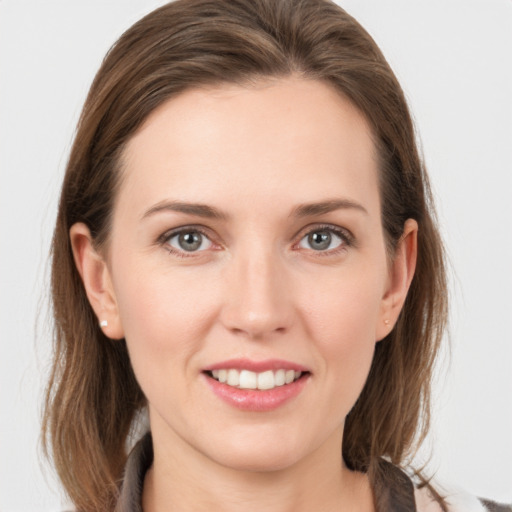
x=257 y=331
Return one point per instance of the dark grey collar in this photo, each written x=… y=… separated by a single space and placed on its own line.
x=139 y=461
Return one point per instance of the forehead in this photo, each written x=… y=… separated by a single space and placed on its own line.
x=291 y=139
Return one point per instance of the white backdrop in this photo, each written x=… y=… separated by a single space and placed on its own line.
x=454 y=59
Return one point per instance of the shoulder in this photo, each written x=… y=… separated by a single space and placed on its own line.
x=457 y=501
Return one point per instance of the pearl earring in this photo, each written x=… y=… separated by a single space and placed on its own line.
x=103 y=323
x=386 y=322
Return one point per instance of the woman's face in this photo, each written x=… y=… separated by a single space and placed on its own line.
x=247 y=244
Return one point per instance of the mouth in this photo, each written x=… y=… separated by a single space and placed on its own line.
x=257 y=386
x=262 y=381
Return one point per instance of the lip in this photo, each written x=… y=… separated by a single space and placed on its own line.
x=256 y=400
x=257 y=366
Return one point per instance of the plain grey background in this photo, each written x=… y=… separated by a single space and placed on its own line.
x=454 y=60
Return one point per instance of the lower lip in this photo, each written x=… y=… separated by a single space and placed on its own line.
x=255 y=400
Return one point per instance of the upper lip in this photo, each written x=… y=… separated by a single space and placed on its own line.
x=257 y=366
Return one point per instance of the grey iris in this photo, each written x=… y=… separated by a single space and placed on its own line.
x=319 y=240
x=190 y=241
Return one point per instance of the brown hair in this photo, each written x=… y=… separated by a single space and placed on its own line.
x=93 y=397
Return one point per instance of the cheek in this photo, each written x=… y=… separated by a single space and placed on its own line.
x=163 y=314
x=342 y=319
x=346 y=310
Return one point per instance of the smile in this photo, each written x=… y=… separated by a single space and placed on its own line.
x=246 y=379
x=257 y=386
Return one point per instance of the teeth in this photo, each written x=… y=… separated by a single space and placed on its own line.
x=266 y=380
x=280 y=378
x=246 y=379
x=233 y=378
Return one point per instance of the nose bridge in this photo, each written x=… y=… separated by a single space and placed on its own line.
x=257 y=295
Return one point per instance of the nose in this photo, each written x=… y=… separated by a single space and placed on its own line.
x=258 y=302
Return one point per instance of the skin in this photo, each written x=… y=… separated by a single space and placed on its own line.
x=257 y=289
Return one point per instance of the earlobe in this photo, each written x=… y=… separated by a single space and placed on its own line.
x=401 y=273
x=96 y=279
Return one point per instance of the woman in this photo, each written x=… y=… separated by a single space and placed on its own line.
x=245 y=249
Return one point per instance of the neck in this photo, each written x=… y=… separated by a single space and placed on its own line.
x=180 y=480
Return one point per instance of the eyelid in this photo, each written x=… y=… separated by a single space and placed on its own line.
x=181 y=229
x=345 y=234
x=164 y=238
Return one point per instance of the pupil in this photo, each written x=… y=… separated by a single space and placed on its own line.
x=320 y=240
x=190 y=241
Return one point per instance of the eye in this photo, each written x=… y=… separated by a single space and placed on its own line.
x=324 y=239
x=189 y=240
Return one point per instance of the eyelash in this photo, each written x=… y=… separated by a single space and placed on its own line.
x=348 y=240
x=164 y=239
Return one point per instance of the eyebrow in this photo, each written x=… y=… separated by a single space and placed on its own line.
x=197 y=209
x=323 y=207
x=209 y=212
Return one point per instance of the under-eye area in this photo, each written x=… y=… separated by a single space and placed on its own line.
x=246 y=379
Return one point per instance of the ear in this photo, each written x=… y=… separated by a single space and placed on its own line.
x=95 y=274
x=401 y=272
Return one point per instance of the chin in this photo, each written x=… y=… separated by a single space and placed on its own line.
x=262 y=454
x=259 y=462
